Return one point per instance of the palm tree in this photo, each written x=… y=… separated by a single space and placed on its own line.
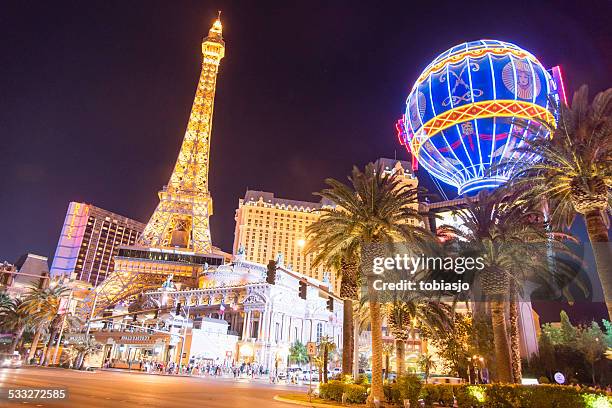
x=574 y=173
x=426 y=362
x=86 y=348
x=5 y=301
x=514 y=247
x=410 y=311
x=16 y=319
x=387 y=352
x=374 y=210
x=326 y=346
x=44 y=305
x=399 y=321
x=345 y=264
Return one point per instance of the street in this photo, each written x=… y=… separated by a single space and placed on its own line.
x=122 y=389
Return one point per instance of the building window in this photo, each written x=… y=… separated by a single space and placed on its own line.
x=277 y=331
x=319 y=331
x=295 y=338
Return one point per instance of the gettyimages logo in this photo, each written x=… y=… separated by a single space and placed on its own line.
x=404 y=272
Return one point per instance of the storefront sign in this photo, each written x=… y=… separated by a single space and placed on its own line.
x=130 y=338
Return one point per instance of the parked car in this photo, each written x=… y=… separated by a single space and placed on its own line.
x=445 y=380
x=8 y=360
x=305 y=375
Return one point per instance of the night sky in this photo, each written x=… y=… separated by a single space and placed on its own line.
x=95 y=96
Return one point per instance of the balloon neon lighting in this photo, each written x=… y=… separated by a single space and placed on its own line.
x=468 y=111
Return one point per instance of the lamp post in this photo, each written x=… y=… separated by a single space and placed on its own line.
x=469 y=369
x=61 y=333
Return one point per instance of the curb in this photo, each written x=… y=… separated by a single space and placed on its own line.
x=305 y=404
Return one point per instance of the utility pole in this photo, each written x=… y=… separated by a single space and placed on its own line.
x=184 y=338
x=59 y=339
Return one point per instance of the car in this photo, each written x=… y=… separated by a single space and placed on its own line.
x=8 y=360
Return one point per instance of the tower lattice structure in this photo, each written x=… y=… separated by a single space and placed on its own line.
x=185 y=205
x=176 y=241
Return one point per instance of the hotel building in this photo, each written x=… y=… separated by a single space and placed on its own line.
x=89 y=241
x=267 y=225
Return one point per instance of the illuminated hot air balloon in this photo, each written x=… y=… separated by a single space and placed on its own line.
x=461 y=115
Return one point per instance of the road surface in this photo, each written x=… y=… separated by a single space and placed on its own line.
x=122 y=389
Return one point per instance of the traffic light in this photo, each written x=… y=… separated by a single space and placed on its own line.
x=178 y=309
x=134 y=317
x=303 y=288
x=330 y=304
x=271 y=273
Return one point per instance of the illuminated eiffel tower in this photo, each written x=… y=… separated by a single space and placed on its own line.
x=176 y=239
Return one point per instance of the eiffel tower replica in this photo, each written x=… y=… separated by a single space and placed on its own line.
x=176 y=240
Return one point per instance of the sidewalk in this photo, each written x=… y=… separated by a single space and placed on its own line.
x=261 y=380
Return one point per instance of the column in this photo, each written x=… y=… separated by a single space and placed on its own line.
x=246 y=328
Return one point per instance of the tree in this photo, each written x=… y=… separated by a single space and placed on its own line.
x=592 y=342
x=326 y=347
x=426 y=362
x=574 y=173
x=375 y=209
x=16 y=319
x=608 y=326
x=409 y=311
x=44 y=305
x=85 y=348
x=298 y=353
x=345 y=263
x=514 y=245
x=387 y=352
x=569 y=333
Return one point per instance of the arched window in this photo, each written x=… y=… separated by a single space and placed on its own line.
x=319 y=331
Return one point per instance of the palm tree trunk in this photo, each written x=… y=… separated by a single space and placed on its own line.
x=347 y=338
x=500 y=340
x=376 y=325
x=387 y=364
x=356 y=332
x=598 y=235
x=34 y=346
x=45 y=358
x=17 y=339
x=400 y=356
x=515 y=351
x=325 y=357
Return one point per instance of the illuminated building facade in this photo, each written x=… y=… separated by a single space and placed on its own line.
x=240 y=314
x=89 y=241
x=176 y=240
x=267 y=225
x=461 y=115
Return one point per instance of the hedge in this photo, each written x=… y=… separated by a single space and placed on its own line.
x=334 y=389
x=473 y=396
x=513 y=396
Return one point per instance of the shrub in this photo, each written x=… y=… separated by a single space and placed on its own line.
x=442 y=393
x=514 y=396
x=332 y=390
x=392 y=393
x=543 y=380
x=409 y=387
x=355 y=394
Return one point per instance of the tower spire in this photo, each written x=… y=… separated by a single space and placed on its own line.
x=182 y=217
